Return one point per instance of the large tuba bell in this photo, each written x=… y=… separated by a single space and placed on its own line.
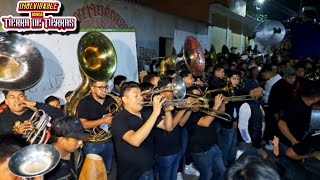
x=98 y=61
x=191 y=56
x=21 y=63
x=34 y=160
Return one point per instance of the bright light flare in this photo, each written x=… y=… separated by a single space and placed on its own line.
x=260 y=1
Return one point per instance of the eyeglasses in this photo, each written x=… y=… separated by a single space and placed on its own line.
x=101 y=88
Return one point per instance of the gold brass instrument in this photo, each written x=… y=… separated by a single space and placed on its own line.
x=178 y=89
x=21 y=63
x=215 y=113
x=315 y=76
x=228 y=88
x=239 y=98
x=98 y=135
x=98 y=62
x=40 y=122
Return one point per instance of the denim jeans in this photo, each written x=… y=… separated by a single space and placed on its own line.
x=148 y=175
x=105 y=150
x=229 y=146
x=210 y=163
x=167 y=166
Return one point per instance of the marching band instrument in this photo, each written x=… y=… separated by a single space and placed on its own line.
x=93 y=168
x=178 y=88
x=21 y=64
x=40 y=122
x=181 y=103
x=239 y=98
x=217 y=114
x=98 y=61
x=315 y=76
x=34 y=160
x=191 y=55
x=228 y=88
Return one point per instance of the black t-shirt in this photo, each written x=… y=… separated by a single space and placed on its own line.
x=8 y=118
x=66 y=169
x=132 y=161
x=309 y=143
x=89 y=108
x=166 y=143
x=200 y=138
x=297 y=116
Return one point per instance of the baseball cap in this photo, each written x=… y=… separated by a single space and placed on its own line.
x=68 y=126
x=289 y=72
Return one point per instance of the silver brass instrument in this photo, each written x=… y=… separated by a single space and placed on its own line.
x=34 y=160
x=40 y=122
x=98 y=62
x=181 y=103
x=178 y=89
x=21 y=63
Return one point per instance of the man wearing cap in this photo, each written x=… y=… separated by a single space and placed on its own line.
x=67 y=134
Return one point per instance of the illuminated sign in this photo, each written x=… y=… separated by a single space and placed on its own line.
x=37 y=20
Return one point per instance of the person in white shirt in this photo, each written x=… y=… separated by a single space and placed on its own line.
x=271 y=78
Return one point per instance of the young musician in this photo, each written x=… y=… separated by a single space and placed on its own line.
x=131 y=134
x=203 y=141
x=67 y=134
x=92 y=111
x=18 y=111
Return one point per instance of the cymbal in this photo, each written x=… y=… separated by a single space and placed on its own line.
x=21 y=63
x=269 y=34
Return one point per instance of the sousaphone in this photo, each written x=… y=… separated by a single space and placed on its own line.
x=21 y=63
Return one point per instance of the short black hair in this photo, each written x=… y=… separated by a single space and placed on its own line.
x=5 y=92
x=164 y=82
x=149 y=77
x=9 y=144
x=266 y=68
x=311 y=89
x=251 y=167
x=184 y=73
x=69 y=93
x=231 y=73
x=218 y=68
x=145 y=86
x=50 y=99
x=117 y=80
x=127 y=86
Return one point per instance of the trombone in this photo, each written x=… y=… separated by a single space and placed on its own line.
x=239 y=98
x=216 y=113
x=178 y=89
x=181 y=103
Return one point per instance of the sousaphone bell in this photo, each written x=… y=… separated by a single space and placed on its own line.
x=34 y=160
x=21 y=63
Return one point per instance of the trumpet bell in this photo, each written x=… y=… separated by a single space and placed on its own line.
x=34 y=160
x=97 y=56
x=194 y=56
x=179 y=88
x=21 y=63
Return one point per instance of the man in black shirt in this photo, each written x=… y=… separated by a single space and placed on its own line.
x=93 y=113
x=67 y=134
x=18 y=113
x=131 y=134
x=117 y=83
x=296 y=120
x=203 y=142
